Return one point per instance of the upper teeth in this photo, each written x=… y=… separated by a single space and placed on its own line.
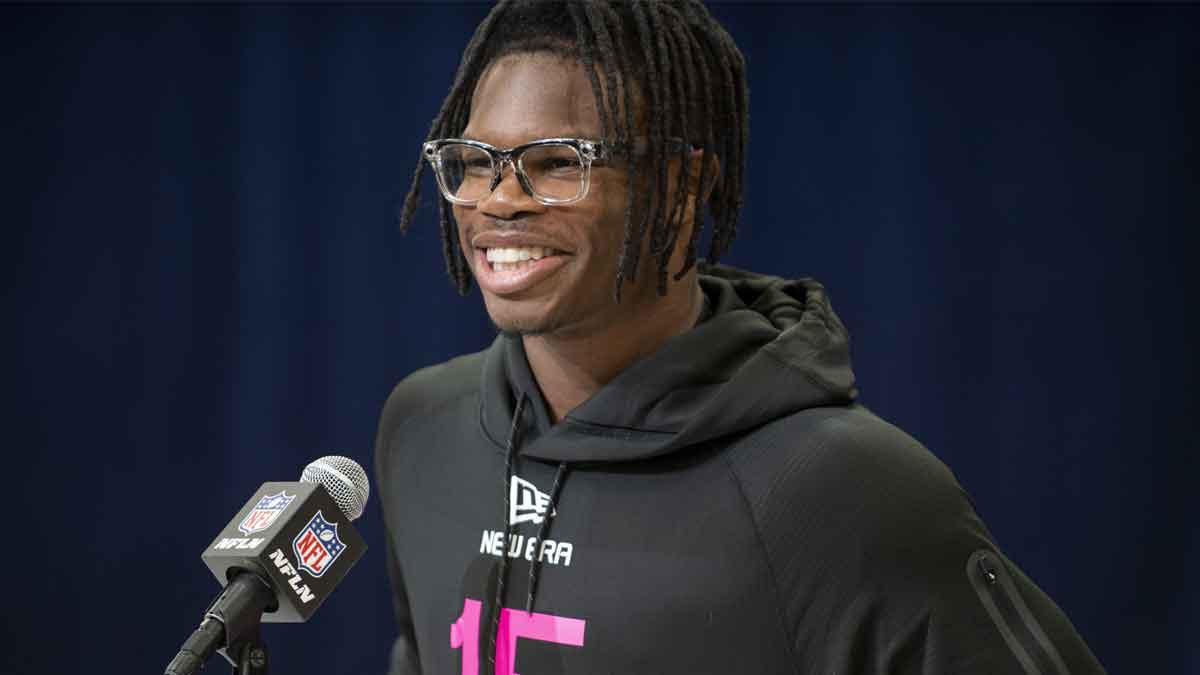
x=510 y=255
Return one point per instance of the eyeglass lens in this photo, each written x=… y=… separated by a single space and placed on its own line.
x=555 y=171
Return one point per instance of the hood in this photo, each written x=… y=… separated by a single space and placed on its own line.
x=771 y=347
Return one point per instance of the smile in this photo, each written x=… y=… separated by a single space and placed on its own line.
x=512 y=258
x=509 y=270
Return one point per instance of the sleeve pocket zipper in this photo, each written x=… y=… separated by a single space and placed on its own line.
x=1021 y=630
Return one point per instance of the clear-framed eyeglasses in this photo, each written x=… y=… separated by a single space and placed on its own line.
x=554 y=171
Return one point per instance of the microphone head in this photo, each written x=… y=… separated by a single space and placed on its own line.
x=343 y=479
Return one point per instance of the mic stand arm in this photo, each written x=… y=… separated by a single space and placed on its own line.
x=231 y=626
x=250 y=652
x=244 y=647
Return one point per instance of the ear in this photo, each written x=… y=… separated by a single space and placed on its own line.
x=696 y=195
x=697 y=161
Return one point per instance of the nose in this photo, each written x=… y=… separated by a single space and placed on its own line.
x=509 y=199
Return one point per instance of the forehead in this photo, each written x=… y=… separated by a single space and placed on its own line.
x=524 y=97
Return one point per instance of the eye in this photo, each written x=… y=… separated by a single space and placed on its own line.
x=560 y=164
x=461 y=159
x=552 y=160
x=478 y=165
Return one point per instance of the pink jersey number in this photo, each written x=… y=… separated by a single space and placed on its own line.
x=514 y=624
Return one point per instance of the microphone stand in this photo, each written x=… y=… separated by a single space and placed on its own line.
x=250 y=651
x=235 y=621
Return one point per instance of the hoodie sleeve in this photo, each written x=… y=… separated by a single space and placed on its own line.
x=404 y=658
x=882 y=564
x=416 y=397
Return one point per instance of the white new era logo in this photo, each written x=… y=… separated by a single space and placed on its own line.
x=527 y=504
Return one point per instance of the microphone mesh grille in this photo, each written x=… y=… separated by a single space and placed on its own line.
x=343 y=479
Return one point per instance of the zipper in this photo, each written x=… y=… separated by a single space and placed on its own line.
x=1019 y=627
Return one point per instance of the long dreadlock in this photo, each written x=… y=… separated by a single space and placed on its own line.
x=670 y=56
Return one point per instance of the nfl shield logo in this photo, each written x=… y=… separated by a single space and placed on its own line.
x=265 y=512
x=317 y=545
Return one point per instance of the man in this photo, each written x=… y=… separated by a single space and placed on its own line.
x=657 y=468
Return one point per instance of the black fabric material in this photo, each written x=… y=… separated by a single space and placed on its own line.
x=731 y=508
x=714 y=380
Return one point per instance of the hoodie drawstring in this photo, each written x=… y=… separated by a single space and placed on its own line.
x=535 y=566
x=509 y=457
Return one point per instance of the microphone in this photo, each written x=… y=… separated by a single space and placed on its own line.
x=279 y=558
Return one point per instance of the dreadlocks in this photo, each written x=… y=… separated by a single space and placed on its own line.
x=669 y=56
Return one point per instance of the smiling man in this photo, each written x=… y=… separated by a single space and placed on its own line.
x=659 y=466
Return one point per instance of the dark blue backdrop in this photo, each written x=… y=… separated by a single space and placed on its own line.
x=205 y=288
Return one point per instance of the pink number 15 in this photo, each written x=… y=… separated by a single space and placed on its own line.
x=514 y=623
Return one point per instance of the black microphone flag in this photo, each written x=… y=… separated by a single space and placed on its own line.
x=278 y=559
x=294 y=535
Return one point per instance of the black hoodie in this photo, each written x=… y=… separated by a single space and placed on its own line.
x=722 y=506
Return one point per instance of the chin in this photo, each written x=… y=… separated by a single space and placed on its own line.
x=520 y=323
x=517 y=329
x=557 y=313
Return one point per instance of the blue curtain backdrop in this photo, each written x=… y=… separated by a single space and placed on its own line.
x=206 y=289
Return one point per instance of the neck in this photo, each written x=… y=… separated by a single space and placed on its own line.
x=569 y=369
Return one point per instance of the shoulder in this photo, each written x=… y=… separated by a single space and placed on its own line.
x=837 y=449
x=875 y=549
x=843 y=481
x=430 y=388
x=428 y=394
